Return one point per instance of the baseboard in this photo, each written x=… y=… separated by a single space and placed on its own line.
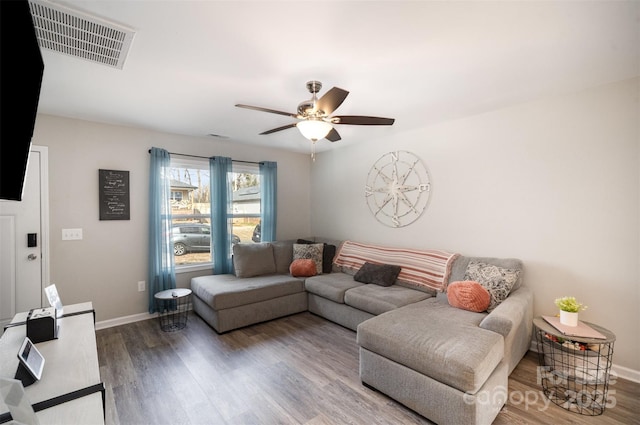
x=127 y=319
x=124 y=320
x=627 y=373
x=620 y=371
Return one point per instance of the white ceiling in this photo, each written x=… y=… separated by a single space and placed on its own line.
x=417 y=62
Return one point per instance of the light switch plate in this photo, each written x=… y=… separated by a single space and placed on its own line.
x=71 y=234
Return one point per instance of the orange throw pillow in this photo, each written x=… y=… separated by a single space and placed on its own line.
x=303 y=267
x=468 y=295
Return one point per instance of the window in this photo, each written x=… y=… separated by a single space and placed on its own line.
x=191 y=210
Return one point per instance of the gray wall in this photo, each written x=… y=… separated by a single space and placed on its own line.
x=106 y=265
x=553 y=182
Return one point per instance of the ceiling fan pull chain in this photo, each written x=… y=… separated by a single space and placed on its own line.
x=313 y=150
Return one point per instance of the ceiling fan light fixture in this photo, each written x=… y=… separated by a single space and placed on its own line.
x=314 y=130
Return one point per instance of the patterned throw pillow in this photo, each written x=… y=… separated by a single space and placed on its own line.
x=309 y=251
x=497 y=280
x=468 y=295
x=328 y=252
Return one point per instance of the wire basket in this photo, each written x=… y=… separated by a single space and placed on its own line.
x=173 y=307
x=573 y=376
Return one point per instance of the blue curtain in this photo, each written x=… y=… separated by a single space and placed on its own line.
x=162 y=273
x=268 y=194
x=220 y=168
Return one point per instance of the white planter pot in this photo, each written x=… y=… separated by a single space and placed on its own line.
x=569 y=319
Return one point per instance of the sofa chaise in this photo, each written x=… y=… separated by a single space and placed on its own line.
x=261 y=288
x=447 y=363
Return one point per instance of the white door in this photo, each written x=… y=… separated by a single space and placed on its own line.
x=24 y=270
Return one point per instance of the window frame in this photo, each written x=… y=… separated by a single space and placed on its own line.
x=238 y=167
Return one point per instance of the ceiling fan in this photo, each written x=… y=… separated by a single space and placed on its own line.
x=316 y=121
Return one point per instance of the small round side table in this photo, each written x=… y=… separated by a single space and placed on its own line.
x=574 y=371
x=172 y=306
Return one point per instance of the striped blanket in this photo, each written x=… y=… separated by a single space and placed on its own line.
x=424 y=269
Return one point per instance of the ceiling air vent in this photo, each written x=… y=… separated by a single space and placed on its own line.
x=78 y=34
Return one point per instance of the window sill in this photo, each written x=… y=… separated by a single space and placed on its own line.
x=194 y=268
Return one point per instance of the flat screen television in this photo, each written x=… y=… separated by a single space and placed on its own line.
x=21 y=70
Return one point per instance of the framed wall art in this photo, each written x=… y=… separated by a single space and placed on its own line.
x=113 y=187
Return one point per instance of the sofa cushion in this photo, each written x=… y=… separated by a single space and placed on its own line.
x=309 y=251
x=303 y=267
x=437 y=340
x=468 y=295
x=224 y=291
x=283 y=255
x=253 y=259
x=379 y=274
x=497 y=280
x=377 y=299
x=331 y=286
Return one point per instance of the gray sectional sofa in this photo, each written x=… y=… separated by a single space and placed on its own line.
x=449 y=364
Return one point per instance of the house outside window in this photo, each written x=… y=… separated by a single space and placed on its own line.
x=191 y=210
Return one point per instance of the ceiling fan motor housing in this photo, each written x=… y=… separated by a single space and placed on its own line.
x=307 y=108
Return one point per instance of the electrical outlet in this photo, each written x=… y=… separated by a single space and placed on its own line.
x=71 y=234
x=141 y=286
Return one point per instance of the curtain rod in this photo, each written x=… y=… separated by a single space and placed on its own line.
x=207 y=157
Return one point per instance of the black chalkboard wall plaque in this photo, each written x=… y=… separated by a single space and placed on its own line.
x=114 y=194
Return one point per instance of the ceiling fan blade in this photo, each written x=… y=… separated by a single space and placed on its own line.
x=333 y=136
x=361 y=120
x=284 y=127
x=273 y=111
x=331 y=100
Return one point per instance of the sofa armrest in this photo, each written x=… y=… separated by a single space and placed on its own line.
x=510 y=312
x=513 y=319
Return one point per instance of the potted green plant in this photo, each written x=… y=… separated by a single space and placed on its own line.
x=569 y=309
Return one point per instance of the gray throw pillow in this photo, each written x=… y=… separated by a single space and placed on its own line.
x=253 y=259
x=380 y=274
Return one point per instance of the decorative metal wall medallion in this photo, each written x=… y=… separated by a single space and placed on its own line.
x=398 y=188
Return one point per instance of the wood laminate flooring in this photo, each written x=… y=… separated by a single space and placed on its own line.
x=300 y=369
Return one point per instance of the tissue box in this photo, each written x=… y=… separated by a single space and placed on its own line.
x=42 y=324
